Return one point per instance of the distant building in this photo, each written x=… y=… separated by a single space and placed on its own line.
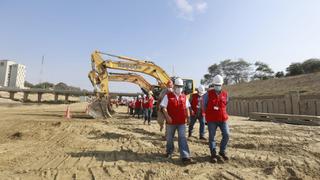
x=12 y=74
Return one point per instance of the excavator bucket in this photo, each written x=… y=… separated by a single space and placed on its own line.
x=100 y=108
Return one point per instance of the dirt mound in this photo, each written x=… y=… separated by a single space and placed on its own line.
x=305 y=84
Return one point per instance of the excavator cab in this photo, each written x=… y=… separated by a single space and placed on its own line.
x=188 y=86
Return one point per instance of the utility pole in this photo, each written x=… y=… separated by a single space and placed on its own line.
x=41 y=70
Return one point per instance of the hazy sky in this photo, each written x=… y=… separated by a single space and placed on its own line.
x=188 y=35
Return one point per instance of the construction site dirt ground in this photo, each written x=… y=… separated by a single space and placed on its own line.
x=36 y=142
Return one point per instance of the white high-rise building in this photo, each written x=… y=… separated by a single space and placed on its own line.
x=12 y=74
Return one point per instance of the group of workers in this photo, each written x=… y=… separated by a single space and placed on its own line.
x=142 y=107
x=175 y=110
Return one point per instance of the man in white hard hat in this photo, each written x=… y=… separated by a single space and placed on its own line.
x=138 y=107
x=215 y=108
x=148 y=107
x=175 y=107
x=197 y=112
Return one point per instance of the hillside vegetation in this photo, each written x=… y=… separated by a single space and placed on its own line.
x=305 y=84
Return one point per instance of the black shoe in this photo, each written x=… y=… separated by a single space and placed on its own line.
x=220 y=161
x=169 y=156
x=203 y=138
x=213 y=159
x=187 y=161
x=224 y=156
x=190 y=134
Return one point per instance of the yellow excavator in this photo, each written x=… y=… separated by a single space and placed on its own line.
x=99 y=78
x=132 y=78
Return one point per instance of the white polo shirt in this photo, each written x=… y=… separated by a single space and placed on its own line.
x=164 y=102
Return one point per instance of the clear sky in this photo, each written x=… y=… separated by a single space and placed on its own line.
x=188 y=35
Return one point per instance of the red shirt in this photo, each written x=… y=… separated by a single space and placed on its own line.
x=177 y=108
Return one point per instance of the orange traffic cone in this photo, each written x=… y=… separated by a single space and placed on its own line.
x=67 y=113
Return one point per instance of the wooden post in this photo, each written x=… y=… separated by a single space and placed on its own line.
x=295 y=99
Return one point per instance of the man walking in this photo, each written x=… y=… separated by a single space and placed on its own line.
x=148 y=107
x=175 y=107
x=215 y=107
x=196 y=112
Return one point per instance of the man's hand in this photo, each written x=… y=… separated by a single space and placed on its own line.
x=169 y=119
x=192 y=113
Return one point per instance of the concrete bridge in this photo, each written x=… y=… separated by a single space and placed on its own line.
x=57 y=93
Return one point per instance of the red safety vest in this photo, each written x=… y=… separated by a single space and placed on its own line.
x=216 y=110
x=138 y=104
x=149 y=103
x=177 y=108
x=195 y=102
x=145 y=103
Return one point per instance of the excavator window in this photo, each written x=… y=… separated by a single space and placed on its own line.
x=188 y=86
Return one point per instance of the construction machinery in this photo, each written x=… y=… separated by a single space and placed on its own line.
x=99 y=78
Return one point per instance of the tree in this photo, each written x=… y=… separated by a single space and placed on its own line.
x=279 y=74
x=263 y=71
x=213 y=70
x=240 y=71
x=28 y=84
x=44 y=85
x=232 y=71
x=294 y=69
x=311 y=66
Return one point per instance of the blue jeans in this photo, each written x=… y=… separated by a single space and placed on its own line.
x=147 y=114
x=193 y=120
x=182 y=140
x=212 y=128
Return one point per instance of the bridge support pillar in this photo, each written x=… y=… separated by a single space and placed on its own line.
x=39 y=97
x=25 y=96
x=56 y=97
x=12 y=95
x=67 y=97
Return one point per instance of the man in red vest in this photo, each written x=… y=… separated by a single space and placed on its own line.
x=138 y=107
x=175 y=107
x=215 y=107
x=148 y=105
x=197 y=112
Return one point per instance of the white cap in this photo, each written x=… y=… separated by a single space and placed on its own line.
x=218 y=80
x=178 y=82
x=139 y=96
x=201 y=90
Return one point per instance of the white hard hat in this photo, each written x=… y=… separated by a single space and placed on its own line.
x=178 y=82
x=218 y=80
x=201 y=89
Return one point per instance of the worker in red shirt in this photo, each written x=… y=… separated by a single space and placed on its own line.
x=215 y=108
x=148 y=107
x=175 y=107
x=138 y=107
x=197 y=112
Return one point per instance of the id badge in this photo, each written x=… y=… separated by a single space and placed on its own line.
x=216 y=108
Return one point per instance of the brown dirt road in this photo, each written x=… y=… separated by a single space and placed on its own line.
x=36 y=142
